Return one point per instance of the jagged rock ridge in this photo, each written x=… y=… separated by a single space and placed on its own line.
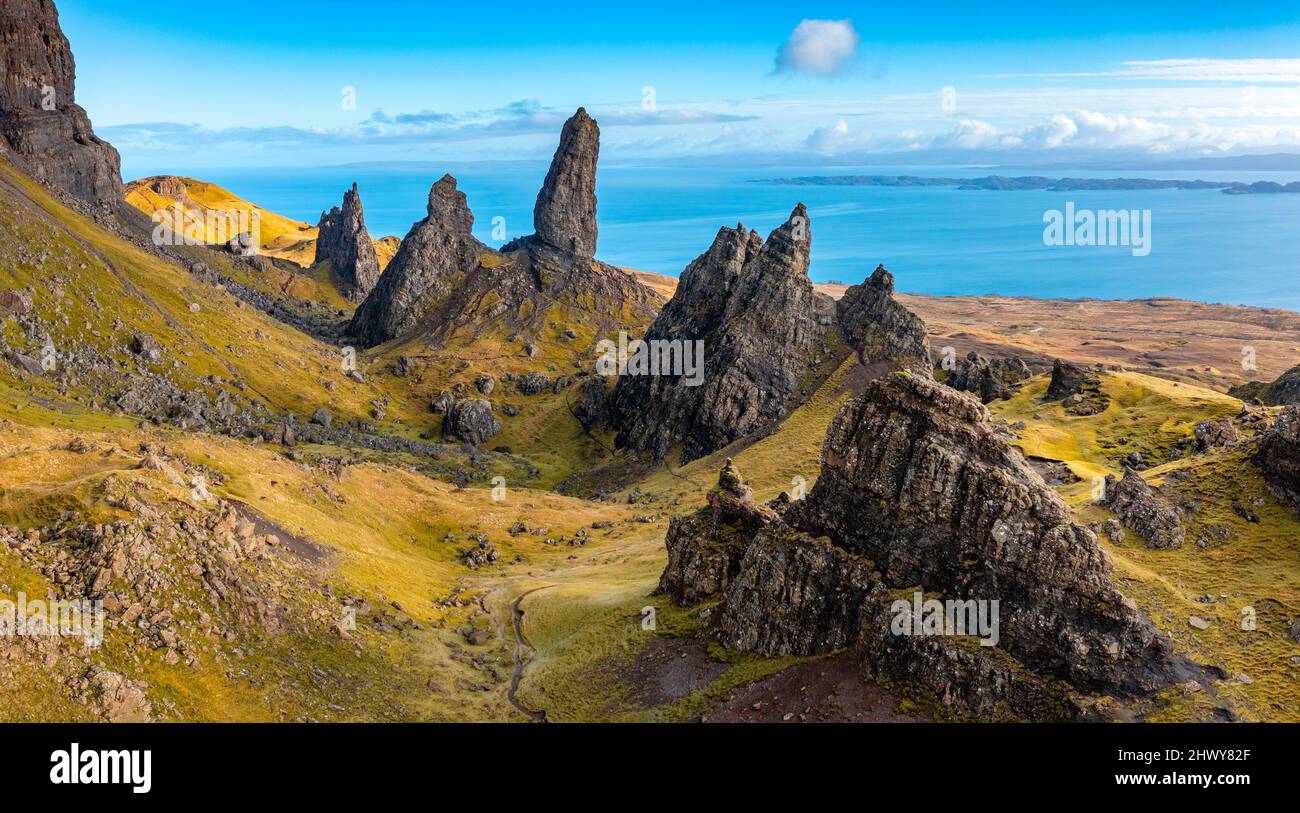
x=769 y=340
x=344 y=241
x=42 y=128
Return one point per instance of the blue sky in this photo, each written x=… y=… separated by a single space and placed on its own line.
x=267 y=83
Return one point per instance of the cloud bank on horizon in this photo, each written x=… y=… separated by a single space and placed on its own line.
x=828 y=88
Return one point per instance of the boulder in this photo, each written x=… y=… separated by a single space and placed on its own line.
x=534 y=382
x=1144 y=511
x=470 y=421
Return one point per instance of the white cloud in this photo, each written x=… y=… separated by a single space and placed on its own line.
x=1091 y=130
x=1258 y=71
x=827 y=140
x=823 y=47
x=970 y=134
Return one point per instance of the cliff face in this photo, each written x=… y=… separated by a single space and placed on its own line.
x=42 y=129
x=917 y=494
x=344 y=241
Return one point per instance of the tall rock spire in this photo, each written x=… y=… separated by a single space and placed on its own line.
x=434 y=254
x=41 y=126
x=345 y=242
x=565 y=214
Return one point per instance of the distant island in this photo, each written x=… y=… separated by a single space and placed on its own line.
x=1002 y=183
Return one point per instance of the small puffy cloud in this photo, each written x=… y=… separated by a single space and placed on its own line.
x=1057 y=131
x=970 y=134
x=821 y=47
x=827 y=140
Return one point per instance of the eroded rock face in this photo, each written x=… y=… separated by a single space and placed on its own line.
x=470 y=421
x=1144 y=512
x=823 y=595
x=344 y=241
x=431 y=259
x=705 y=548
x=989 y=379
x=41 y=127
x=751 y=305
x=769 y=340
x=564 y=216
x=1279 y=456
x=878 y=327
x=918 y=493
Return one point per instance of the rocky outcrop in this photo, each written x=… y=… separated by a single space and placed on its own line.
x=919 y=494
x=1215 y=434
x=1279 y=456
x=766 y=338
x=1285 y=390
x=42 y=129
x=443 y=281
x=878 y=327
x=470 y=421
x=1078 y=390
x=564 y=216
x=1144 y=512
x=747 y=310
x=345 y=243
x=705 y=548
x=989 y=379
x=433 y=256
x=591 y=407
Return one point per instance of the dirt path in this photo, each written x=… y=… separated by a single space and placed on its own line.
x=521 y=644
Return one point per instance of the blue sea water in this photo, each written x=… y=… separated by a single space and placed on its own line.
x=1205 y=245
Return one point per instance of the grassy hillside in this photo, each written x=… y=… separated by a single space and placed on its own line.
x=282 y=236
x=1228 y=567
x=400 y=535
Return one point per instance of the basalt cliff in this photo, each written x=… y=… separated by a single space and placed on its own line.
x=42 y=129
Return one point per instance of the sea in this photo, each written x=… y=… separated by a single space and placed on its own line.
x=1204 y=245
